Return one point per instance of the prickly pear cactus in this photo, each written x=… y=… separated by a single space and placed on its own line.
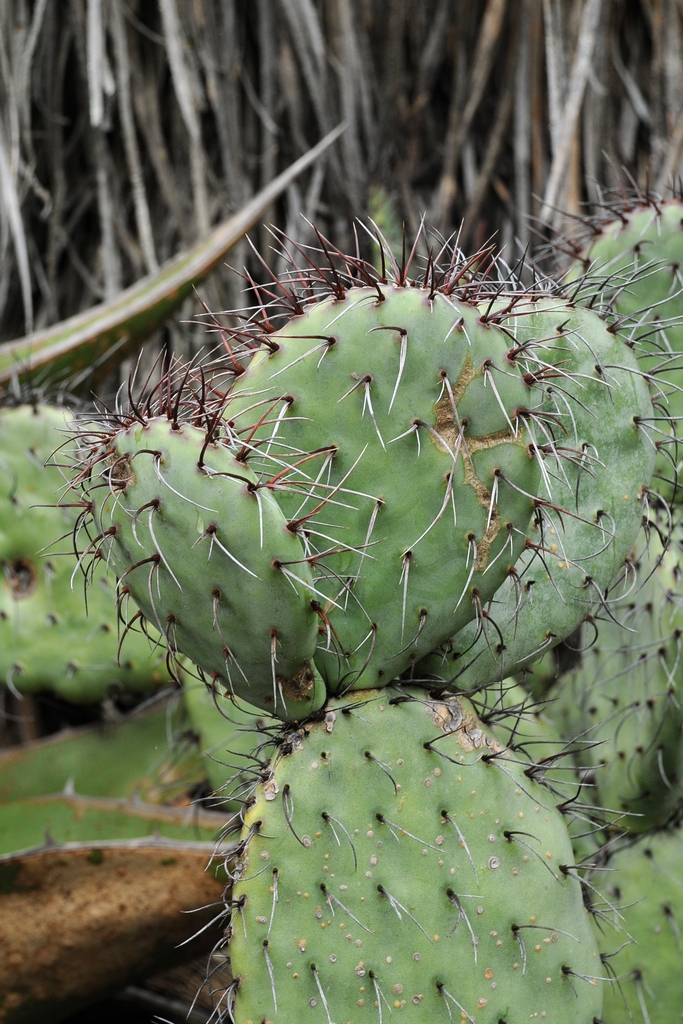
x=49 y=638
x=632 y=262
x=624 y=701
x=645 y=889
x=429 y=482
x=580 y=537
x=204 y=550
x=396 y=859
x=419 y=413
x=378 y=458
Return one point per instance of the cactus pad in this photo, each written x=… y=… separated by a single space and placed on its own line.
x=49 y=639
x=201 y=548
x=624 y=696
x=633 y=263
x=425 y=464
x=646 y=883
x=601 y=406
x=397 y=859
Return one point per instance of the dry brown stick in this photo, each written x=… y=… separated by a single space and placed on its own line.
x=267 y=90
x=637 y=100
x=56 y=174
x=522 y=126
x=371 y=70
x=186 y=102
x=489 y=33
x=672 y=159
x=346 y=61
x=10 y=201
x=142 y=215
x=12 y=207
x=556 y=65
x=290 y=82
x=590 y=20
x=217 y=46
x=658 y=133
x=390 y=83
x=432 y=51
x=493 y=147
x=148 y=115
x=366 y=103
x=243 y=185
x=87 y=31
x=594 y=126
x=23 y=87
x=111 y=262
x=539 y=155
x=673 y=64
x=308 y=43
x=95 y=61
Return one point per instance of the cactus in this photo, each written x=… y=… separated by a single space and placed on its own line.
x=623 y=698
x=395 y=856
x=49 y=639
x=202 y=547
x=645 y=881
x=631 y=261
x=147 y=756
x=232 y=738
x=577 y=549
x=431 y=466
x=388 y=482
x=394 y=490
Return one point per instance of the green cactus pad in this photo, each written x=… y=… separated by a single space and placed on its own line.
x=49 y=639
x=645 y=882
x=425 y=467
x=624 y=697
x=199 y=546
x=633 y=262
x=397 y=861
x=596 y=392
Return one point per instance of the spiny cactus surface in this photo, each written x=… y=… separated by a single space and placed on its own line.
x=388 y=490
x=233 y=737
x=201 y=547
x=580 y=537
x=631 y=261
x=646 y=881
x=623 y=698
x=421 y=411
x=49 y=638
x=392 y=455
x=396 y=859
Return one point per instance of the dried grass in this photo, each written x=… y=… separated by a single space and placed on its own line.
x=127 y=127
